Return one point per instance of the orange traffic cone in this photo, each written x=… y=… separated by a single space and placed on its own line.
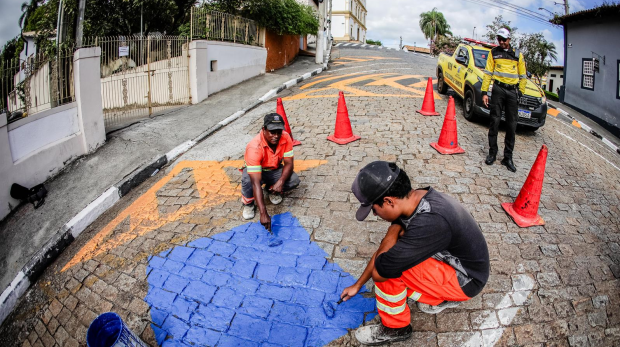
x=343 y=133
x=448 y=142
x=287 y=127
x=428 y=106
x=524 y=211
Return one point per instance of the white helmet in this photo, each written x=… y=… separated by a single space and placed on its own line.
x=503 y=32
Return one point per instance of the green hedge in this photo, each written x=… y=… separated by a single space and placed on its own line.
x=373 y=42
x=552 y=96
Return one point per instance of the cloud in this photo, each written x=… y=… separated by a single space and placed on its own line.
x=11 y=10
x=401 y=18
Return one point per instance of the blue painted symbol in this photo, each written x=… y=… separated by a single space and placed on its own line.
x=238 y=289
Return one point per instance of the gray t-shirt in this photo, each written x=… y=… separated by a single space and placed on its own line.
x=440 y=228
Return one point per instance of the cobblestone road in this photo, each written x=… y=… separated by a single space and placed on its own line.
x=553 y=285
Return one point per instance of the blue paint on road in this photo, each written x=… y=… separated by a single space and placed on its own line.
x=242 y=288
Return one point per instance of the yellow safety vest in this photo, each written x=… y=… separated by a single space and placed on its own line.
x=506 y=67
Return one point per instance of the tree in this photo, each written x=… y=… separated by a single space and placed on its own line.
x=434 y=24
x=282 y=16
x=538 y=54
x=497 y=24
x=28 y=9
x=445 y=44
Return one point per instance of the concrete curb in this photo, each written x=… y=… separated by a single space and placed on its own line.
x=72 y=229
x=579 y=124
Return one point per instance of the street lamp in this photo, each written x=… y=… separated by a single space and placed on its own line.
x=544 y=9
x=473 y=34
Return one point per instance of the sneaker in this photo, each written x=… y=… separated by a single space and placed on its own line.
x=275 y=199
x=379 y=334
x=426 y=308
x=248 y=211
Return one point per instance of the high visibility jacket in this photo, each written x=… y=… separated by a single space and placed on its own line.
x=506 y=67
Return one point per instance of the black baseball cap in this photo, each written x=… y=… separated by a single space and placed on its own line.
x=371 y=183
x=273 y=121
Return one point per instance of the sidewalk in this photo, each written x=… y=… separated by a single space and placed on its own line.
x=589 y=123
x=26 y=231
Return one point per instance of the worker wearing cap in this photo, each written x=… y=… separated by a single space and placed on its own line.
x=506 y=68
x=434 y=253
x=269 y=161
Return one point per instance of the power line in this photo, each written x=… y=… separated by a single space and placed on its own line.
x=519 y=11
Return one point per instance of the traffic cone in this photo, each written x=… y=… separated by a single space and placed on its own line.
x=448 y=142
x=343 y=133
x=524 y=211
x=428 y=106
x=287 y=127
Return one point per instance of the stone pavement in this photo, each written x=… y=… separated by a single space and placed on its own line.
x=552 y=285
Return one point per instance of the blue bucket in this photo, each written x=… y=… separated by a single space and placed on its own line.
x=109 y=330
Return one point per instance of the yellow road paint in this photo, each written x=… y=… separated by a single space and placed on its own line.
x=212 y=183
x=345 y=82
x=351 y=60
x=553 y=112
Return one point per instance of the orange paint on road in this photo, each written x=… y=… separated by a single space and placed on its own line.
x=552 y=112
x=212 y=184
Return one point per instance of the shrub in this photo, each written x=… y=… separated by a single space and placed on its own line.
x=373 y=42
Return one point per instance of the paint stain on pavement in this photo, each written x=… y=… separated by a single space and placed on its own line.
x=233 y=289
x=142 y=216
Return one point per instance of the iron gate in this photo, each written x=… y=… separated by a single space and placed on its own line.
x=142 y=75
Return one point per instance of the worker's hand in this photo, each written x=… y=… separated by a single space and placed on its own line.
x=277 y=188
x=485 y=100
x=265 y=220
x=349 y=292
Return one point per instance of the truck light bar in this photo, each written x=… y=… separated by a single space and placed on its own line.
x=481 y=43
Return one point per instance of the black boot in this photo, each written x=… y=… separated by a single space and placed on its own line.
x=490 y=159
x=507 y=162
x=379 y=334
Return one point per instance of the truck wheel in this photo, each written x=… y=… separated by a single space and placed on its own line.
x=469 y=106
x=442 y=87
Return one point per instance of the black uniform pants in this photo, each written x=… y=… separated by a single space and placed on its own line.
x=503 y=99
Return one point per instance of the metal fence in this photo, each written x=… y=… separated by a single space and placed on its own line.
x=41 y=82
x=141 y=75
x=213 y=25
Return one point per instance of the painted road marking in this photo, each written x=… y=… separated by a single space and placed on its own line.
x=212 y=185
x=553 y=112
x=584 y=136
x=337 y=45
x=590 y=149
x=492 y=324
x=345 y=83
x=233 y=289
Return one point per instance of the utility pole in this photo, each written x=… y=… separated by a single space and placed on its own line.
x=473 y=34
x=320 y=36
x=80 y=23
x=400 y=46
x=566 y=7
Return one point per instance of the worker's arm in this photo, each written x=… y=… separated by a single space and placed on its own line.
x=522 y=70
x=488 y=75
x=265 y=219
x=388 y=242
x=287 y=171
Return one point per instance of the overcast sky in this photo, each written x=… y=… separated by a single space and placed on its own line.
x=388 y=23
x=389 y=19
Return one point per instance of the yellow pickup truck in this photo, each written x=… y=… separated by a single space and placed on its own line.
x=462 y=72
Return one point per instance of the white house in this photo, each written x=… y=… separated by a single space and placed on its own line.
x=555 y=78
x=349 y=20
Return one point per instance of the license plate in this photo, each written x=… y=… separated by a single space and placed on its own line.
x=525 y=114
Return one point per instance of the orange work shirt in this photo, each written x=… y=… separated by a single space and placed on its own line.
x=259 y=157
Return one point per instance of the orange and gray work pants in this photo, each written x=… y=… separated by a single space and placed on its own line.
x=430 y=282
x=268 y=178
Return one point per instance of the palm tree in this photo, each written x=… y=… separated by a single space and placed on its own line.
x=28 y=9
x=434 y=24
x=547 y=49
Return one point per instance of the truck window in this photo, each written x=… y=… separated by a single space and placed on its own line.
x=463 y=53
x=480 y=58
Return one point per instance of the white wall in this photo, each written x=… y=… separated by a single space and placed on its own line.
x=37 y=147
x=338 y=25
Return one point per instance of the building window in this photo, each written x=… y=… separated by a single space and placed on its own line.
x=561 y=76
x=552 y=75
x=587 y=74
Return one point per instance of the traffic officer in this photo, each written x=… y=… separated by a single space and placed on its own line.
x=506 y=67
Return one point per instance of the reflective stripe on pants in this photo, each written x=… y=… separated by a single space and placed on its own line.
x=430 y=282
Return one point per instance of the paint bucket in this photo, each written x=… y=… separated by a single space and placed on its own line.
x=109 y=330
